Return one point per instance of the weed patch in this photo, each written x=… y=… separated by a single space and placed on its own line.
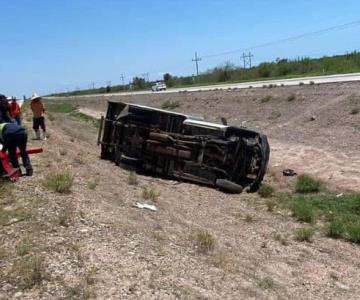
x=204 y=242
x=266 y=283
x=307 y=184
x=353 y=232
x=304 y=234
x=60 y=106
x=92 y=184
x=8 y=217
x=335 y=229
x=266 y=190
x=303 y=211
x=132 y=178
x=59 y=182
x=270 y=204
x=30 y=270
x=249 y=218
x=65 y=215
x=23 y=247
x=150 y=194
x=85 y=118
x=340 y=214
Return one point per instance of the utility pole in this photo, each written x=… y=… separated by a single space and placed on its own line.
x=146 y=76
x=196 y=60
x=122 y=79
x=247 y=59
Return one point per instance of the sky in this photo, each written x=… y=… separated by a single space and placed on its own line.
x=57 y=45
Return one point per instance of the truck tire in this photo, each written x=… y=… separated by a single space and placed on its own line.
x=229 y=186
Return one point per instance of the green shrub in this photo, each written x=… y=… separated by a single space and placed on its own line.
x=58 y=106
x=303 y=211
x=335 y=229
x=205 y=242
x=353 y=232
x=304 y=234
x=266 y=190
x=307 y=184
x=59 y=182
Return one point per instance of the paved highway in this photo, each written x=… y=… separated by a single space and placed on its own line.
x=293 y=81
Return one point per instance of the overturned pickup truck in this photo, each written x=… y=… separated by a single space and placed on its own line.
x=175 y=145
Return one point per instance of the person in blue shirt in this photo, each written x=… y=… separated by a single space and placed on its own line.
x=13 y=137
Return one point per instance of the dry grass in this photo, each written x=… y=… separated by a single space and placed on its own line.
x=205 y=242
x=24 y=247
x=266 y=283
x=30 y=270
x=60 y=182
x=266 y=98
x=132 y=178
x=92 y=184
x=65 y=216
x=249 y=218
x=304 y=234
x=150 y=194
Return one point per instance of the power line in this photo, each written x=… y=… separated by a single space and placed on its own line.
x=289 y=39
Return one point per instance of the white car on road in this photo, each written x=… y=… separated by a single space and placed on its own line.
x=158 y=86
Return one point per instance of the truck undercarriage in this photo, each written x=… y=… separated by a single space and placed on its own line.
x=179 y=146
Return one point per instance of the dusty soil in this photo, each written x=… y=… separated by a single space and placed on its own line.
x=92 y=242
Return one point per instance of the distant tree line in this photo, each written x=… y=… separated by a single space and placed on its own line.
x=228 y=72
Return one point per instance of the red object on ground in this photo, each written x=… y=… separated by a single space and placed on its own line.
x=14 y=174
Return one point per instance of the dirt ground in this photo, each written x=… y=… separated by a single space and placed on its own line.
x=93 y=244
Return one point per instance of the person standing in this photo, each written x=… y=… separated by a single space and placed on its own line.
x=13 y=136
x=38 y=110
x=4 y=110
x=15 y=111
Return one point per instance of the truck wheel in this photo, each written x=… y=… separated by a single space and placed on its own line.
x=229 y=186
